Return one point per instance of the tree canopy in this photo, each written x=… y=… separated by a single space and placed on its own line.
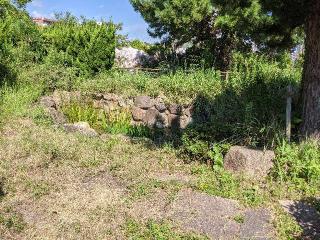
x=284 y=20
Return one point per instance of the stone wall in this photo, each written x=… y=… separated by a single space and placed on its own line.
x=145 y=110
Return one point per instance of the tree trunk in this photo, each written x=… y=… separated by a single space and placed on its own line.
x=311 y=74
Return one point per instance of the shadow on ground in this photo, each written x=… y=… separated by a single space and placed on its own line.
x=252 y=115
x=306 y=213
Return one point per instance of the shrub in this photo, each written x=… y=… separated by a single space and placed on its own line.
x=20 y=42
x=87 y=45
x=298 y=165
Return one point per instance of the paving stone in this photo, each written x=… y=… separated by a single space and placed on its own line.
x=204 y=214
x=257 y=225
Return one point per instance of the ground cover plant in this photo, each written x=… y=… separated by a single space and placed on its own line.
x=122 y=185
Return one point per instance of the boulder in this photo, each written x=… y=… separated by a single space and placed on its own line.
x=143 y=102
x=138 y=114
x=175 y=109
x=188 y=111
x=57 y=116
x=250 y=162
x=129 y=57
x=82 y=128
x=184 y=122
x=151 y=117
x=162 y=121
x=161 y=107
x=64 y=97
x=174 y=121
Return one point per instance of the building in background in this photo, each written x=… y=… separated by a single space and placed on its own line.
x=44 y=22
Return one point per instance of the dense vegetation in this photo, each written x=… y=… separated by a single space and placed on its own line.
x=85 y=46
x=245 y=106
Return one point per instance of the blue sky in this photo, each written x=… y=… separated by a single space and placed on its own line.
x=120 y=11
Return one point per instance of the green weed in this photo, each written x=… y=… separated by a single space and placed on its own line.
x=298 y=166
x=12 y=220
x=218 y=182
x=39 y=188
x=116 y=121
x=17 y=101
x=239 y=219
x=153 y=230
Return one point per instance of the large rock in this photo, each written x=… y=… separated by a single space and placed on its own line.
x=82 y=128
x=151 y=117
x=129 y=57
x=161 y=107
x=138 y=114
x=184 y=121
x=65 y=98
x=162 y=121
x=51 y=108
x=175 y=109
x=143 y=102
x=173 y=121
x=250 y=162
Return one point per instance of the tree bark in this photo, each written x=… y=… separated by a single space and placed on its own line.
x=311 y=74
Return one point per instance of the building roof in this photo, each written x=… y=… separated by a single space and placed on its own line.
x=43 y=20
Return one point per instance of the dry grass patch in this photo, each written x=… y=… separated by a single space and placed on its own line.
x=59 y=185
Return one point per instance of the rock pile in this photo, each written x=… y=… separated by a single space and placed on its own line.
x=152 y=112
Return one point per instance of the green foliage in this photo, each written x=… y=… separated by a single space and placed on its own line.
x=287 y=227
x=153 y=230
x=113 y=121
x=12 y=221
x=17 y=101
x=179 y=87
x=268 y=23
x=218 y=182
x=188 y=22
x=249 y=109
x=298 y=165
x=20 y=42
x=87 y=45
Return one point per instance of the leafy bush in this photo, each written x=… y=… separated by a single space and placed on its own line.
x=87 y=45
x=298 y=165
x=20 y=42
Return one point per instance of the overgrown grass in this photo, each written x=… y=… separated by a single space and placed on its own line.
x=218 y=182
x=153 y=230
x=117 y=121
x=297 y=166
x=247 y=108
x=17 y=101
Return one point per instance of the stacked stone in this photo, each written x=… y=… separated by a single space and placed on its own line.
x=155 y=114
x=151 y=112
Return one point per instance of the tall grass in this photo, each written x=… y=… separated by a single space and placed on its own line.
x=17 y=101
x=116 y=121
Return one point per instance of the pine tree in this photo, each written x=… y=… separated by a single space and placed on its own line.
x=188 y=21
x=279 y=23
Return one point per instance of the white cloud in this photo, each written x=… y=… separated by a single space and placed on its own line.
x=101 y=6
x=38 y=14
x=37 y=4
